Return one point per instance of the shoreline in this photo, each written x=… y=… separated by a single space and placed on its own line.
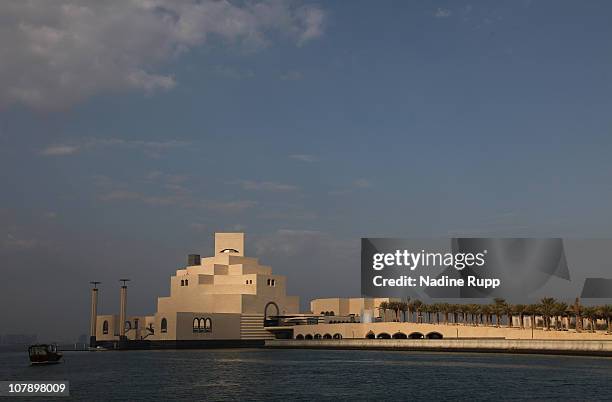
x=519 y=346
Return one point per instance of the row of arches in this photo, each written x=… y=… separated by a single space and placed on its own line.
x=401 y=335
x=371 y=335
x=318 y=336
x=202 y=325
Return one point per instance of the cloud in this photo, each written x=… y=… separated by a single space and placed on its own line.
x=291 y=76
x=442 y=13
x=303 y=157
x=362 y=183
x=267 y=186
x=153 y=149
x=13 y=243
x=57 y=53
x=169 y=191
x=233 y=72
x=59 y=150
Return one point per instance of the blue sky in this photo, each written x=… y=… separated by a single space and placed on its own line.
x=126 y=142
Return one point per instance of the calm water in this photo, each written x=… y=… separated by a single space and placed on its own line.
x=257 y=374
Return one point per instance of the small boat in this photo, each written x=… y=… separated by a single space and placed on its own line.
x=44 y=354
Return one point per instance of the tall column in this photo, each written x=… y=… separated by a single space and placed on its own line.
x=94 y=314
x=123 y=305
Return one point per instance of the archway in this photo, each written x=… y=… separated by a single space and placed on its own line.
x=434 y=335
x=370 y=335
x=416 y=335
x=383 y=335
x=337 y=336
x=317 y=336
x=327 y=336
x=399 y=335
x=271 y=312
x=300 y=337
x=308 y=337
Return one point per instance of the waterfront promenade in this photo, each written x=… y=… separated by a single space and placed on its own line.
x=535 y=346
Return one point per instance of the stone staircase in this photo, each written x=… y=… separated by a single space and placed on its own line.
x=251 y=327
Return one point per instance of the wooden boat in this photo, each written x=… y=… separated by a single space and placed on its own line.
x=44 y=354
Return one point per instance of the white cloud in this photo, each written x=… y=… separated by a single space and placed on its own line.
x=442 y=13
x=303 y=157
x=267 y=186
x=292 y=76
x=56 y=53
x=59 y=150
x=362 y=183
x=150 y=148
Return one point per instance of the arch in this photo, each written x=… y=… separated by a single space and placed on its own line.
x=164 y=325
x=267 y=314
x=327 y=336
x=434 y=335
x=337 y=336
x=127 y=325
x=416 y=335
x=317 y=336
x=196 y=325
x=308 y=337
x=105 y=327
x=300 y=337
x=207 y=324
x=229 y=250
x=370 y=335
x=383 y=335
x=399 y=335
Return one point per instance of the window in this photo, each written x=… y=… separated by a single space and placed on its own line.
x=196 y=325
x=186 y=282
x=105 y=328
x=182 y=282
x=268 y=282
x=127 y=325
x=164 y=325
x=207 y=325
x=135 y=323
x=271 y=282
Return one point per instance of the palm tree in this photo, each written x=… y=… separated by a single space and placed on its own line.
x=403 y=306
x=383 y=307
x=532 y=310
x=519 y=309
x=508 y=310
x=560 y=312
x=547 y=308
x=577 y=310
x=417 y=305
x=497 y=309
x=606 y=312
x=446 y=309
x=591 y=315
x=485 y=312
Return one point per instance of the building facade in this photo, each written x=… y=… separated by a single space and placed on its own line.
x=227 y=296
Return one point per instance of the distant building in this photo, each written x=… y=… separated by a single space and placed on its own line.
x=224 y=297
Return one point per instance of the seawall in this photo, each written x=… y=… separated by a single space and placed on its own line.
x=531 y=346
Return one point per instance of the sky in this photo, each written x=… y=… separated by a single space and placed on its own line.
x=131 y=131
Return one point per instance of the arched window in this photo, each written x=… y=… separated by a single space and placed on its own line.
x=182 y=282
x=164 y=325
x=207 y=325
x=196 y=325
x=135 y=323
x=128 y=326
x=186 y=282
x=105 y=327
